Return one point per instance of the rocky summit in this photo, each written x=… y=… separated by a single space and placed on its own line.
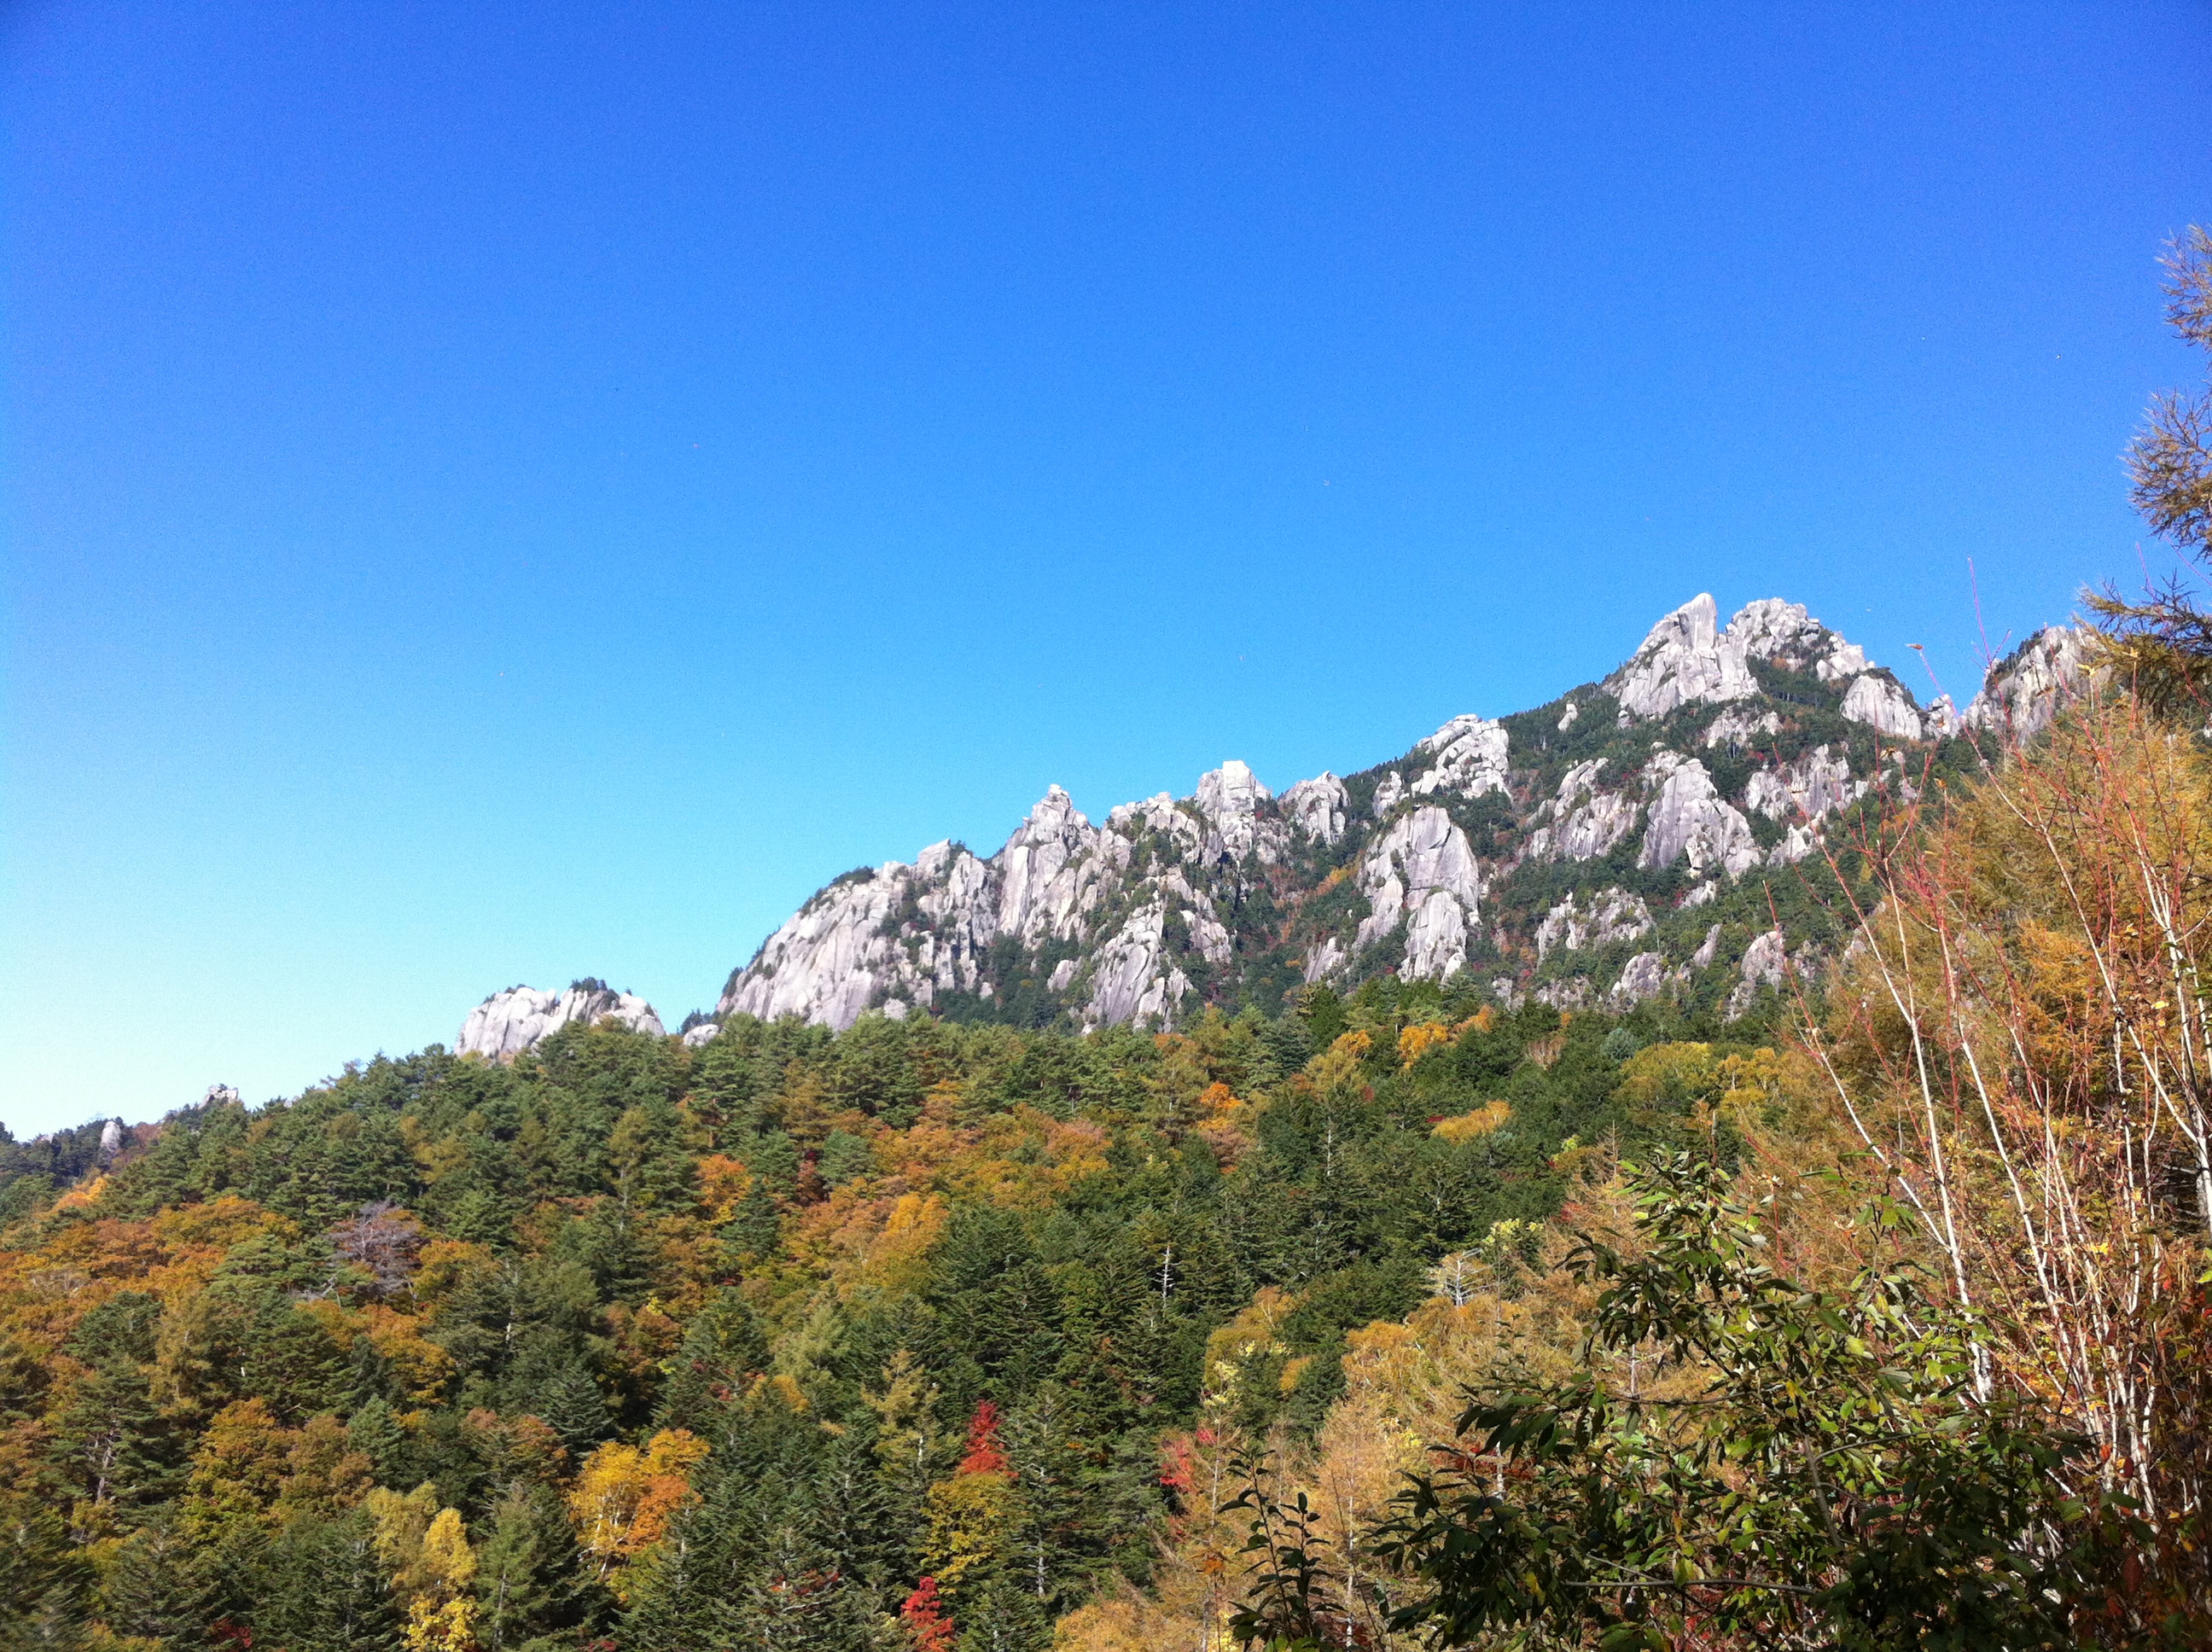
x=1663 y=830
x=507 y=1023
x=1666 y=831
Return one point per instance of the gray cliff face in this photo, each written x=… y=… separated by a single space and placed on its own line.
x=1617 y=845
x=1689 y=822
x=1609 y=915
x=1687 y=658
x=507 y=1023
x=2023 y=693
x=1317 y=807
x=1421 y=873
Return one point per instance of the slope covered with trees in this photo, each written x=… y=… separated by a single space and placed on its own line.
x=736 y=1345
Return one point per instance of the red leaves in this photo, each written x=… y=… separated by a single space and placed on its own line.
x=984 y=1456
x=923 y=1614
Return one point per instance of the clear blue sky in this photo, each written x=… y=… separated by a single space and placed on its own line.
x=500 y=493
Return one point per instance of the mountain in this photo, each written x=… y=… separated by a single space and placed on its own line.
x=1660 y=831
x=510 y=1021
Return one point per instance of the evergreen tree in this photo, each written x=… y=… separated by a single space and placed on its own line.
x=117 y=1450
x=722 y=1348
x=571 y=1402
x=529 y=1584
x=324 y=1589
x=158 y=1588
x=375 y=1432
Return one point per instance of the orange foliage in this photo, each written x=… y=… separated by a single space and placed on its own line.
x=1418 y=1040
x=1472 y=1126
x=723 y=1183
x=624 y=1497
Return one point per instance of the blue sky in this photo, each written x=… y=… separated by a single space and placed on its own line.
x=501 y=494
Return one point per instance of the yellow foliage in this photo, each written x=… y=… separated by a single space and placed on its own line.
x=445 y=1264
x=1338 y=1065
x=219 y=1223
x=1472 y=1126
x=1253 y=1332
x=403 y=1521
x=446 y=1557
x=899 y=1257
x=421 y=1366
x=973 y=1520
x=450 y=1627
x=237 y=1470
x=83 y=1194
x=723 y=1184
x=1418 y=1040
x=624 y=1497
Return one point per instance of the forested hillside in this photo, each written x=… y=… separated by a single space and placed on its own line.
x=736 y=1345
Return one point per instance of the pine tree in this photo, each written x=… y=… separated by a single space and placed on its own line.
x=376 y=1434
x=113 y=1443
x=571 y=1402
x=721 y=1350
x=158 y=1588
x=528 y=1582
x=324 y=1589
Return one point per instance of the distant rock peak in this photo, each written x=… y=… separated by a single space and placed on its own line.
x=507 y=1023
x=1690 y=658
x=1685 y=659
x=2023 y=692
x=1428 y=865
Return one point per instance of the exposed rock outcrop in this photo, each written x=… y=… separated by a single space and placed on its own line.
x=1875 y=699
x=1786 y=634
x=2024 y=691
x=1764 y=962
x=1423 y=871
x=1690 y=819
x=1818 y=784
x=1590 y=820
x=1610 y=915
x=1685 y=658
x=1470 y=759
x=1484 y=831
x=1317 y=807
x=1643 y=976
x=507 y=1023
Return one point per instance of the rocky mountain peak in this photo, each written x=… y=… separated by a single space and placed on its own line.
x=2025 y=690
x=507 y=1023
x=1785 y=633
x=1578 y=857
x=1687 y=658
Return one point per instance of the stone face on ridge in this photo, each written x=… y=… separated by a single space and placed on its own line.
x=1470 y=759
x=1783 y=633
x=1818 y=784
x=1506 y=847
x=1229 y=798
x=1421 y=871
x=2024 y=691
x=1764 y=962
x=1590 y=822
x=1612 y=914
x=1684 y=658
x=1689 y=819
x=1875 y=701
x=507 y=1023
x=1317 y=807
